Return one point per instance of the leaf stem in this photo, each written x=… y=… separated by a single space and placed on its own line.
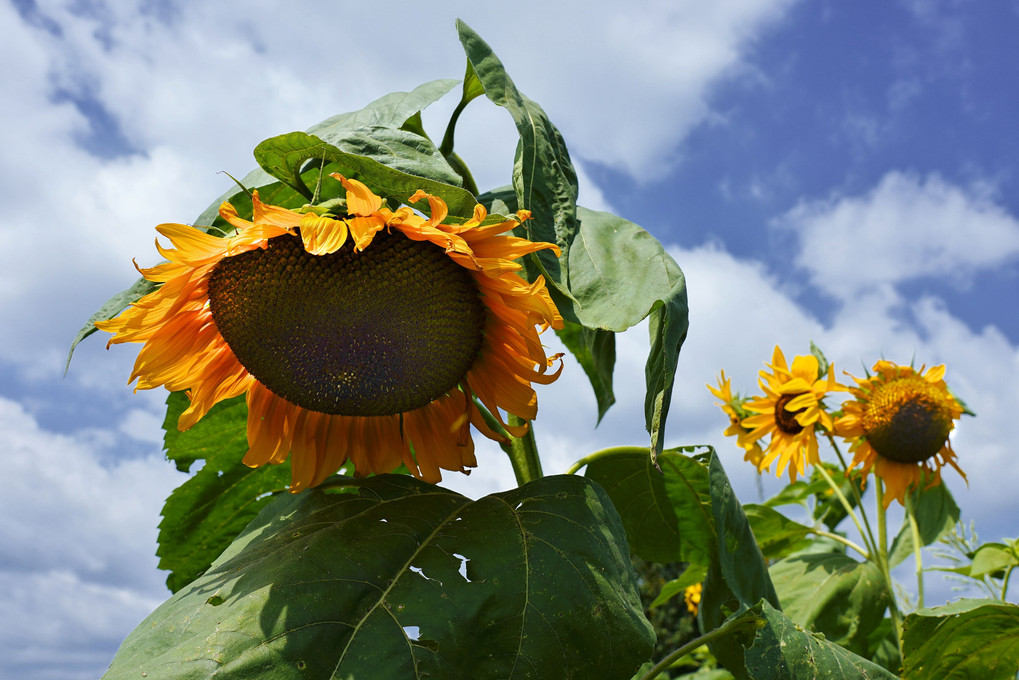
x=917 y=546
x=733 y=626
x=523 y=453
x=1004 y=586
x=843 y=540
x=856 y=492
x=847 y=507
x=603 y=453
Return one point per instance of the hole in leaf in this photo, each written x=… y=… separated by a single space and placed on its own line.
x=421 y=572
x=463 y=565
x=215 y=600
x=412 y=632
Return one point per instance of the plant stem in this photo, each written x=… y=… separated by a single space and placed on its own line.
x=847 y=507
x=843 y=540
x=856 y=492
x=604 y=453
x=1004 y=586
x=882 y=562
x=523 y=453
x=917 y=551
x=748 y=623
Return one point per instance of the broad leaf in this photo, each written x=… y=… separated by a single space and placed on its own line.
x=667 y=516
x=403 y=579
x=784 y=651
x=965 y=639
x=832 y=594
x=206 y=513
x=392 y=110
x=776 y=534
x=543 y=175
x=992 y=559
x=936 y=515
x=393 y=163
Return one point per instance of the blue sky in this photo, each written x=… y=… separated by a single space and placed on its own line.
x=841 y=172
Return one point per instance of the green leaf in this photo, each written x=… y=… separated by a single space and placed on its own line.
x=737 y=575
x=408 y=580
x=111 y=308
x=965 y=639
x=543 y=175
x=992 y=559
x=667 y=512
x=620 y=275
x=206 y=513
x=776 y=534
x=936 y=515
x=796 y=493
x=595 y=351
x=832 y=594
x=392 y=110
x=784 y=651
x=408 y=164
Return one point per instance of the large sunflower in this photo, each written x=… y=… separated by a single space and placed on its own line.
x=790 y=412
x=898 y=424
x=733 y=407
x=363 y=336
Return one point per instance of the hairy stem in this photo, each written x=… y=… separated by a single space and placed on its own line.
x=736 y=625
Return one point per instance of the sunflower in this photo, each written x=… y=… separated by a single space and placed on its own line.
x=692 y=598
x=789 y=412
x=898 y=424
x=733 y=407
x=363 y=336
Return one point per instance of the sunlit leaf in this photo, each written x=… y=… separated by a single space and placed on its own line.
x=965 y=639
x=776 y=534
x=403 y=579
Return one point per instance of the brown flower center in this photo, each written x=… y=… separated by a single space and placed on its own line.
x=907 y=419
x=786 y=420
x=379 y=332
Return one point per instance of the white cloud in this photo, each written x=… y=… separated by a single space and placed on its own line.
x=905 y=228
x=79 y=546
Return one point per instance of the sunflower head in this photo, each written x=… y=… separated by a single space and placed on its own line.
x=355 y=331
x=732 y=406
x=790 y=412
x=898 y=423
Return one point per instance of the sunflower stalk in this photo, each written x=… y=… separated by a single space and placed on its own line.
x=523 y=453
x=735 y=625
x=882 y=562
x=917 y=551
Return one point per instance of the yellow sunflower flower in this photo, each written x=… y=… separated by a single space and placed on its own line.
x=363 y=337
x=898 y=424
x=692 y=598
x=733 y=407
x=790 y=411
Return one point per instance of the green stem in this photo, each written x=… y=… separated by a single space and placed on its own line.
x=846 y=506
x=843 y=540
x=736 y=625
x=523 y=453
x=917 y=546
x=882 y=554
x=856 y=492
x=1004 y=586
x=603 y=453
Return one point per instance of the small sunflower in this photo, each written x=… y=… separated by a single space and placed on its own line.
x=363 y=336
x=733 y=407
x=692 y=598
x=898 y=424
x=790 y=411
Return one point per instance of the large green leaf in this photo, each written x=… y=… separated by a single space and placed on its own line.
x=776 y=534
x=543 y=175
x=206 y=513
x=408 y=580
x=667 y=516
x=392 y=110
x=737 y=575
x=936 y=515
x=784 y=651
x=394 y=163
x=965 y=639
x=832 y=594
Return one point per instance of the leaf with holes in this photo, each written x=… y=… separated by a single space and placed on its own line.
x=395 y=578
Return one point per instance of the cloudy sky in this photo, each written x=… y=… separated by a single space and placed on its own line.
x=838 y=172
